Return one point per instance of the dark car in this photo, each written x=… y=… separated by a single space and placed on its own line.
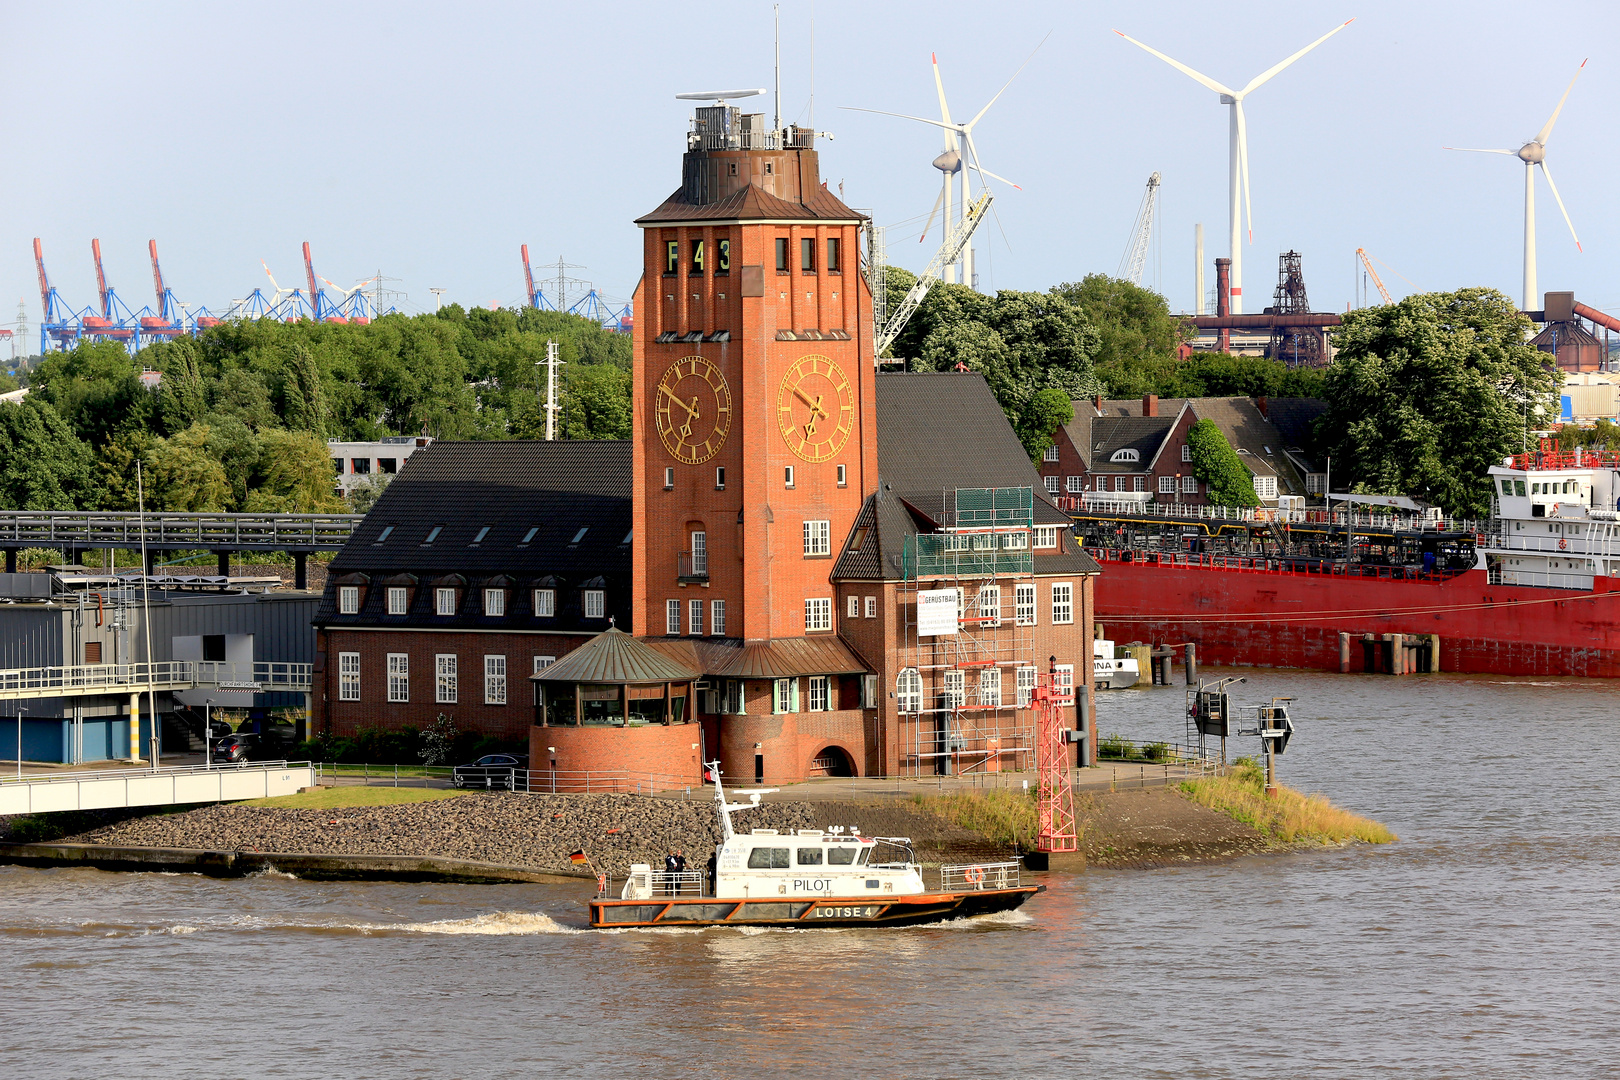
x=504 y=772
x=243 y=747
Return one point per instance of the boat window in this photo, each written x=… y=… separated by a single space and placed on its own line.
x=768 y=858
x=866 y=853
x=810 y=856
x=1518 y=488
x=840 y=856
x=1507 y=486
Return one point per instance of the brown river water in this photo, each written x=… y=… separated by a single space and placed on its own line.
x=1484 y=944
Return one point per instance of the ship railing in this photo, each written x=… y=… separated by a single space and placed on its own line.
x=1296 y=566
x=970 y=877
x=675 y=882
x=1540 y=579
x=1561 y=545
x=1263 y=514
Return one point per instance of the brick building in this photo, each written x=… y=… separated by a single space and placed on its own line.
x=1135 y=451
x=788 y=513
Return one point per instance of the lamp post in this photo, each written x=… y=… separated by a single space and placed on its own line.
x=20 y=712
x=208 y=733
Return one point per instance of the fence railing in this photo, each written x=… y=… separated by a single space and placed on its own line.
x=1296 y=566
x=238 y=532
x=1202 y=512
x=964 y=877
x=498 y=778
x=89 y=678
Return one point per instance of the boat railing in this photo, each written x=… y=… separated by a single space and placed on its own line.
x=1291 y=565
x=1381 y=519
x=964 y=877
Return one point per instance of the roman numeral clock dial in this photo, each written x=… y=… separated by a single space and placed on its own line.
x=693 y=410
x=815 y=408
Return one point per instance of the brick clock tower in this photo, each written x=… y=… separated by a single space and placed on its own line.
x=754 y=392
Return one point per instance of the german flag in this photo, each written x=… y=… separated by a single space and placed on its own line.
x=578 y=857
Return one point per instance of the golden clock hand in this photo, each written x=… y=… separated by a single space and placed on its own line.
x=815 y=406
x=690 y=409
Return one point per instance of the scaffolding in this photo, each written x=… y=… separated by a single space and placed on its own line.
x=965 y=687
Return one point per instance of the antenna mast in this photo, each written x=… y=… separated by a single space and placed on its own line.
x=777 y=9
x=552 y=408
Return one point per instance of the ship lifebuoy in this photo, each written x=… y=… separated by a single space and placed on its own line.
x=1563 y=545
x=974 y=876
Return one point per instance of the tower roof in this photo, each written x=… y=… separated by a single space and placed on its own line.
x=613 y=656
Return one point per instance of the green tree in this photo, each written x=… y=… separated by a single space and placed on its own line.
x=241 y=393
x=43 y=464
x=95 y=389
x=182 y=395
x=1047 y=411
x=1426 y=394
x=1217 y=464
x=364 y=495
x=597 y=404
x=303 y=403
x=182 y=475
x=1132 y=323
x=295 y=476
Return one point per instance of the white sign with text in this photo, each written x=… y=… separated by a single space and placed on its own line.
x=936 y=612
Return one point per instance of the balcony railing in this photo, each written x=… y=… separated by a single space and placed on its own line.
x=692 y=568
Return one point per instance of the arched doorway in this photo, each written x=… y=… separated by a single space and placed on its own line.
x=832 y=761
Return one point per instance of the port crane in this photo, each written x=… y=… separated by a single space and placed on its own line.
x=1131 y=266
x=1378 y=282
x=949 y=252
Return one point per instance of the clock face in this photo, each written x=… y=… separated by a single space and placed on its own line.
x=815 y=408
x=693 y=409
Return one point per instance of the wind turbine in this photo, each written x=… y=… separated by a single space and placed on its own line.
x=950 y=162
x=1534 y=153
x=1239 y=154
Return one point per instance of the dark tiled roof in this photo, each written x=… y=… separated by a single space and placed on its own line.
x=1295 y=418
x=1133 y=406
x=752 y=202
x=613 y=656
x=555 y=489
x=939 y=431
x=1144 y=434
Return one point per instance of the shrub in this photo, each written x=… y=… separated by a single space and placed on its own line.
x=1216 y=463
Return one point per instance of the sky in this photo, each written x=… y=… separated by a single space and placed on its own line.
x=430 y=141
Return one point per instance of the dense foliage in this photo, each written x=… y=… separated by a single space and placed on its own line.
x=1217 y=464
x=241 y=415
x=1425 y=395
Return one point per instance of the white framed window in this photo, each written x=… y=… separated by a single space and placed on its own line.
x=990 y=688
x=494 y=601
x=843 y=476
x=700 y=553
x=785 y=695
x=694 y=617
x=854 y=607
x=1015 y=541
x=870 y=607
x=869 y=691
x=1050 y=453
x=348 y=599
x=1062 y=602
x=545 y=603
x=955 y=688
x=818 y=614
x=1126 y=456
x=1046 y=536
x=717 y=618
x=595 y=604
x=908 y=690
x=444 y=601
x=399 y=676
x=672 y=617
x=720 y=478
x=1024 y=604
x=1063 y=679
x=494 y=680
x=669 y=478
x=1167 y=485
x=817 y=537
x=1316 y=483
x=787 y=476
x=733 y=704
x=1073 y=484
x=1026 y=679
x=396 y=600
x=1189 y=485
x=444 y=678
x=1186 y=452
x=818 y=697
x=348 y=676
x=1265 y=487
x=1051 y=484
x=543 y=662
x=989 y=605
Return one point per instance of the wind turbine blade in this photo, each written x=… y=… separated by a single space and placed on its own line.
x=986 y=172
x=1243 y=163
x=1266 y=75
x=944 y=109
x=1548 y=174
x=939 y=200
x=973 y=162
x=1183 y=68
x=1475 y=150
x=1545 y=133
x=1008 y=83
x=904 y=116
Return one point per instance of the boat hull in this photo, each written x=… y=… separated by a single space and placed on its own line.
x=1279 y=619
x=807 y=911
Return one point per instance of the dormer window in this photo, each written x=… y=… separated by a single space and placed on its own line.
x=479 y=539
x=528 y=536
x=1126 y=456
x=580 y=535
x=384 y=535
x=433 y=534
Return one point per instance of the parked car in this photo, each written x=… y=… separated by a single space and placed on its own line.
x=504 y=772
x=242 y=747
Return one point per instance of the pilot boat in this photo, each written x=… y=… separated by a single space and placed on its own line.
x=808 y=877
x=1109 y=671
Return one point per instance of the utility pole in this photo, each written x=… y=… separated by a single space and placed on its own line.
x=552 y=408
x=438 y=298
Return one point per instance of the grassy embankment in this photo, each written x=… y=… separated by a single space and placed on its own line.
x=330 y=798
x=1000 y=816
x=1289 y=817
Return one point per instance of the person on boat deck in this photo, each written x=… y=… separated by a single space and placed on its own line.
x=712 y=883
x=674 y=863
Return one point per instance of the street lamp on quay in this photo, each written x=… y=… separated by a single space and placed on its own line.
x=208 y=733
x=20 y=711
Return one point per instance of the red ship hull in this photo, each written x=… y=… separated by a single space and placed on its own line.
x=1249 y=615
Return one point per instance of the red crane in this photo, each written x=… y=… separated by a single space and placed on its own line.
x=44 y=282
x=528 y=278
x=101 y=281
x=1054 y=788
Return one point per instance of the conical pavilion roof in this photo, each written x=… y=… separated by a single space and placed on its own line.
x=613 y=656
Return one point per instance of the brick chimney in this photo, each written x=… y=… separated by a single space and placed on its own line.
x=1096 y=403
x=1260 y=403
x=1150 y=404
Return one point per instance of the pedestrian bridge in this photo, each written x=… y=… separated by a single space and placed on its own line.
x=108 y=789
x=82 y=530
x=86 y=680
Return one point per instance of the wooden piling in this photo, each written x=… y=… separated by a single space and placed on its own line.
x=1344 y=654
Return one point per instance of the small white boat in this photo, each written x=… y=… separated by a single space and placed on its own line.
x=832 y=877
x=1109 y=672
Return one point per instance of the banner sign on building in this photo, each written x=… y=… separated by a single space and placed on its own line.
x=936 y=612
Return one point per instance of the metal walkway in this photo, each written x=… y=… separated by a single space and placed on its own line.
x=86 y=680
x=76 y=530
x=113 y=788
